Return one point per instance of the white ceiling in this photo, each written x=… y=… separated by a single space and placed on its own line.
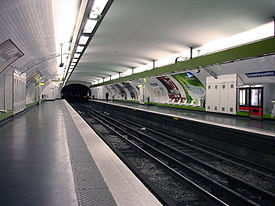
x=136 y=32
x=37 y=27
x=132 y=34
x=29 y=25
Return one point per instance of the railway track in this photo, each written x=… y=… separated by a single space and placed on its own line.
x=218 y=180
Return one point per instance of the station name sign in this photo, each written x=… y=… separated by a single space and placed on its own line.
x=260 y=74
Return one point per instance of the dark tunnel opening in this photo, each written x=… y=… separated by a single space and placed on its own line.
x=75 y=93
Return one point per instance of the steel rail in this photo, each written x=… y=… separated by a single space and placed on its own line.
x=232 y=181
x=217 y=186
x=192 y=185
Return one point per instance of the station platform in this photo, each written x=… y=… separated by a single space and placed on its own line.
x=50 y=156
x=263 y=127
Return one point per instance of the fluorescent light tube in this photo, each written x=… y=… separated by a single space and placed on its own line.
x=98 y=6
x=76 y=55
x=83 y=39
x=79 y=48
x=90 y=25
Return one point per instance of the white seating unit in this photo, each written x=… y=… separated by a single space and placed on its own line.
x=19 y=92
x=221 y=94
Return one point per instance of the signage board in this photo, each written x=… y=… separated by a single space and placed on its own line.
x=260 y=74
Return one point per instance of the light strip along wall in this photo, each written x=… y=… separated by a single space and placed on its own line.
x=263 y=47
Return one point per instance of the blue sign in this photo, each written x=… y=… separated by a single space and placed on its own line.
x=260 y=74
x=190 y=75
x=153 y=84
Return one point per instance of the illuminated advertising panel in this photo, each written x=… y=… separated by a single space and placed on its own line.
x=254 y=97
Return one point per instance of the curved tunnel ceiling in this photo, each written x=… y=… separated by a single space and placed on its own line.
x=134 y=33
x=25 y=24
x=31 y=25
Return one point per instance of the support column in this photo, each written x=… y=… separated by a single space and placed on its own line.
x=191 y=52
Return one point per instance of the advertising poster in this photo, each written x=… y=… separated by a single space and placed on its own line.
x=191 y=85
x=115 y=91
x=122 y=92
x=158 y=91
x=109 y=89
x=173 y=91
x=131 y=89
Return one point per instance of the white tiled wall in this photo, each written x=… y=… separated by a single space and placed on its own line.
x=24 y=22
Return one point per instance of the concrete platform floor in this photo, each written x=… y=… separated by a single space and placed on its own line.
x=49 y=156
x=34 y=159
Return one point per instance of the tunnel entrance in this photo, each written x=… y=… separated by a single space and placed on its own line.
x=75 y=93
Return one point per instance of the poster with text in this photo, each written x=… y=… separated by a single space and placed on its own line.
x=191 y=85
x=131 y=89
x=122 y=92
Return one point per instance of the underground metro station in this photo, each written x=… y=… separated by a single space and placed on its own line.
x=137 y=103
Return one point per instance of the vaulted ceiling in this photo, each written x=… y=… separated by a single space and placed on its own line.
x=31 y=27
x=26 y=24
x=133 y=32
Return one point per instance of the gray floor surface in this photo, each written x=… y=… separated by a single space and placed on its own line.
x=35 y=160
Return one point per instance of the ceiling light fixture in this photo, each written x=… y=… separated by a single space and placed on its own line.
x=64 y=20
x=79 y=48
x=90 y=25
x=94 y=16
x=98 y=10
x=76 y=55
x=83 y=39
x=61 y=63
x=98 y=6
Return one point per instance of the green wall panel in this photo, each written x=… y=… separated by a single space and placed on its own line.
x=264 y=47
